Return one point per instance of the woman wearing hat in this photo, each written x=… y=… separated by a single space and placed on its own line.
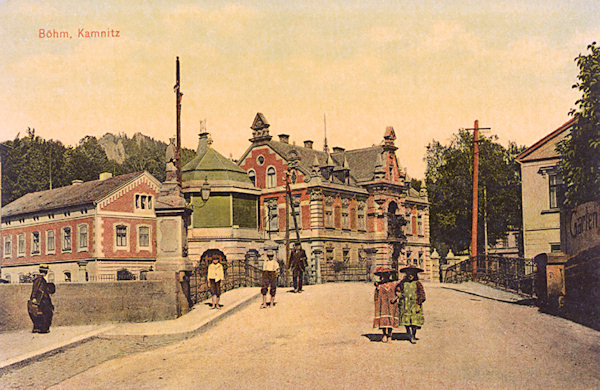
x=386 y=313
x=410 y=296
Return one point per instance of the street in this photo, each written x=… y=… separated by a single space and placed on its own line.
x=322 y=339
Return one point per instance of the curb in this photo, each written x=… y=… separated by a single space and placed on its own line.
x=33 y=356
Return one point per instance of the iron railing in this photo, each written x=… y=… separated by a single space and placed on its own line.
x=238 y=273
x=512 y=274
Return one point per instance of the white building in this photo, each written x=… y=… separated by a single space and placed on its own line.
x=540 y=188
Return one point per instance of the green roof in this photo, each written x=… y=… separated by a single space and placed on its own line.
x=211 y=165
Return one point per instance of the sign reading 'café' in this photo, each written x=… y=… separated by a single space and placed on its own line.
x=580 y=228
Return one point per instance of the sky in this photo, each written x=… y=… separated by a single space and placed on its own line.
x=427 y=68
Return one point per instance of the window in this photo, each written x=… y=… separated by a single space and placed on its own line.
x=83 y=236
x=260 y=160
x=21 y=244
x=67 y=276
x=121 y=235
x=271 y=178
x=345 y=219
x=252 y=176
x=66 y=239
x=554 y=248
x=328 y=217
x=50 y=241
x=143 y=202
x=420 y=225
x=361 y=221
x=7 y=246
x=554 y=183
x=144 y=236
x=272 y=215
x=35 y=243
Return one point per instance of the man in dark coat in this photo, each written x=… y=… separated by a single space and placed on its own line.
x=40 y=306
x=298 y=265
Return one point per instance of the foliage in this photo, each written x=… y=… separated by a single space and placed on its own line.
x=416 y=184
x=32 y=164
x=580 y=151
x=449 y=183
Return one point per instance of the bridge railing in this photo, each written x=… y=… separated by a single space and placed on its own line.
x=513 y=274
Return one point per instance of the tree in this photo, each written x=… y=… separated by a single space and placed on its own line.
x=580 y=150
x=450 y=188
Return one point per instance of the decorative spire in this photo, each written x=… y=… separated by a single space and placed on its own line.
x=260 y=128
x=379 y=172
x=388 y=139
x=325 y=148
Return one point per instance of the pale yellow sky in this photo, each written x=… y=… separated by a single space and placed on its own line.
x=424 y=67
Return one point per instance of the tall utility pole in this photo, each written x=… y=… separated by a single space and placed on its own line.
x=178 y=96
x=475 y=196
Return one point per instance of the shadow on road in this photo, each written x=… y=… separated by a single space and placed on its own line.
x=522 y=302
x=376 y=337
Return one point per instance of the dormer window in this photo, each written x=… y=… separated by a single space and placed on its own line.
x=252 y=176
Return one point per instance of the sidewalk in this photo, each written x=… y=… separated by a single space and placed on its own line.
x=21 y=346
x=482 y=290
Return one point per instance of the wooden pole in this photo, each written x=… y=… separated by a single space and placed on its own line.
x=475 y=198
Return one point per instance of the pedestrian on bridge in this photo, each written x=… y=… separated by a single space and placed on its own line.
x=215 y=275
x=269 y=279
x=410 y=296
x=386 y=312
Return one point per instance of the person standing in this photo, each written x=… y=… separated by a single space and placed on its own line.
x=298 y=265
x=214 y=275
x=269 y=279
x=386 y=312
x=410 y=296
x=40 y=306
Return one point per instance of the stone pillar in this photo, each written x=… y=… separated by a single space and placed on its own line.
x=81 y=270
x=172 y=262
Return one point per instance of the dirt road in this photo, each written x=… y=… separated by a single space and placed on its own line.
x=322 y=339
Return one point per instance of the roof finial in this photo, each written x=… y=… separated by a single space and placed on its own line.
x=325 y=148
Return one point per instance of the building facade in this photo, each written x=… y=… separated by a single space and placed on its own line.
x=89 y=231
x=540 y=189
x=347 y=206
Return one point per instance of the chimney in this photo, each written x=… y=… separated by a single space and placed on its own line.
x=75 y=182
x=105 y=175
x=337 y=149
x=308 y=144
x=284 y=138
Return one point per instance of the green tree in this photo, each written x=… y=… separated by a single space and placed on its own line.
x=449 y=183
x=580 y=150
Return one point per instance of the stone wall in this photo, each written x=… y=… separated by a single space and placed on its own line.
x=94 y=303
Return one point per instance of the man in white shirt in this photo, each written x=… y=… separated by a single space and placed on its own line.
x=269 y=279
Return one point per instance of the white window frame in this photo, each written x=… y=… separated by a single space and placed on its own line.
x=63 y=236
x=7 y=240
x=81 y=248
x=271 y=180
x=143 y=202
x=21 y=245
x=252 y=176
x=48 y=250
x=127 y=235
x=39 y=244
x=141 y=247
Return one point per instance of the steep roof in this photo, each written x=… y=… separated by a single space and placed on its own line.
x=361 y=162
x=68 y=196
x=546 y=147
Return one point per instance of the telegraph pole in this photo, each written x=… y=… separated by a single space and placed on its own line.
x=178 y=96
x=475 y=196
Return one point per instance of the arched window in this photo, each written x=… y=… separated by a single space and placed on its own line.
x=271 y=178
x=252 y=176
